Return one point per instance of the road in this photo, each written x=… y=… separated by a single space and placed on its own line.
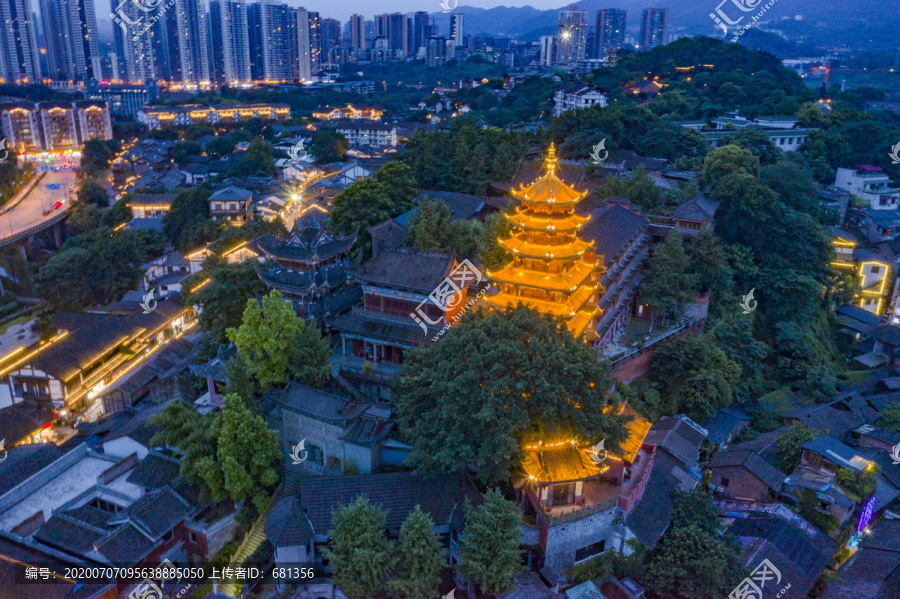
x=30 y=211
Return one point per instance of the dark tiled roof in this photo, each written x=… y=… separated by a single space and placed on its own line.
x=758 y=467
x=837 y=416
x=678 y=437
x=72 y=321
x=398 y=493
x=367 y=432
x=127 y=545
x=698 y=208
x=837 y=452
x=158 y=512
x=889 y=334
x=652 y=515
x=307 y=244
x=23 y=461
x=134 y=425
x=78 y=350
x=383 y=327
x=799 y=557
x=408 y=269
x=722 y=424
x=611 y=227
x=91 y=516
x=286 y=525
x=15 y=552
x=21 y=420
x=64 y=532
x=154 y=471
x=320 y=405
x=462 y=205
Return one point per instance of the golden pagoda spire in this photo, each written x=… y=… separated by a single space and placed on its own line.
x=553 y=270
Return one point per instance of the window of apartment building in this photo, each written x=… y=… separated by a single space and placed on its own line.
x=192 y=536
x=876 y=270
x=725 y=481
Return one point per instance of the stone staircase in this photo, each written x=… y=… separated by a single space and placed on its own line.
x=290 y=486
x=348 y=387
x=255 y=538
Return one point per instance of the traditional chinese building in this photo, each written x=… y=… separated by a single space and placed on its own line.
x=574 y=497
x=310 y=264
x=402 y=290
x=553 y=269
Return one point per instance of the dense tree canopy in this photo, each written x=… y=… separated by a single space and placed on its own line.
x=490 y=552
x=276 y=343
x=224 y=299
x=187 y=223
x=496 y=379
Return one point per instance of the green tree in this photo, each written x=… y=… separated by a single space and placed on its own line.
x=328 y=146
x=276 y=343
x=187 y=224
x=497 y=378
x=360 y=554
x=698 y=375
x=246 y=457
x=83 y=218
x=890 y=417
x=259 y=161
x=71 y=280
x=91 y=192
x=180 y=152
x=95 y=157
x=489 y=251
x=119 y=213
x=692 y=559
x=180 y=425
x=419 y=558
x=858 y=484
x=789 y=446
x=490 y=552
x=220 y=146
x=667 y=284
x=399 y=182
x=757 y=142
x=225 y=297
x=794 y=185
x=364 y=204
x=429 y=226
x=708 y=264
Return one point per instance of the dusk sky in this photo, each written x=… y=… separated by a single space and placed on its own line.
x=344 y=8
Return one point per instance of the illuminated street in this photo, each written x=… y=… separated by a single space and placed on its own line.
x=29 y=212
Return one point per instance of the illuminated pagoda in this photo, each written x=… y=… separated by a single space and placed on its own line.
x=553 y=270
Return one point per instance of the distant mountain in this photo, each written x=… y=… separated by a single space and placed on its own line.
x=836 y=22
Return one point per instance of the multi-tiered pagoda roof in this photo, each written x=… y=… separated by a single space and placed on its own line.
x=553 y=270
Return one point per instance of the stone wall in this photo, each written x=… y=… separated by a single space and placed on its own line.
x=565 y=539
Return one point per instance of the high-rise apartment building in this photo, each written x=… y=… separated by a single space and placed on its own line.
x=358 y=32
x=270 y=41
x=73 y=46
x=230 y=42
x=548 y=50
x=654 y=22
x=331 y=38
x=19 y=58
x=457 y=28
x=573 y=31
x=421 y=31
x=306 y=44
x=136 y=61
x=394 y=28
x=609 y=33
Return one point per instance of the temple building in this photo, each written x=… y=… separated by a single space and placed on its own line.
x=309 y=266
x=574 y=497
x=553 y=270
x=398 y=312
